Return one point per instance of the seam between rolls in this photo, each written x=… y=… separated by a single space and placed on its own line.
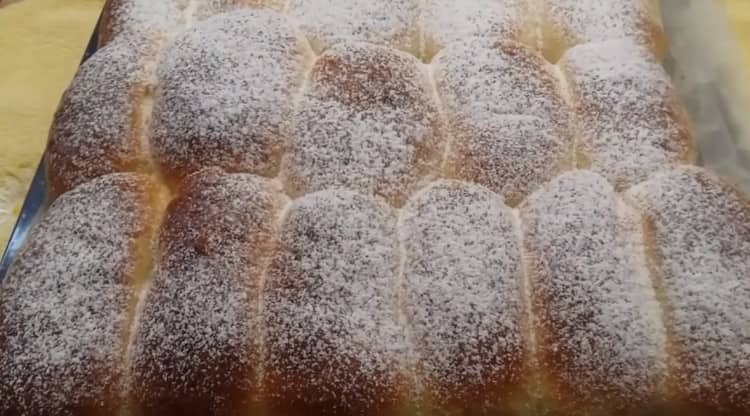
x=141 y=291
x=533 y=381
x=412 y=356
x=261 y=327
x=649 y=252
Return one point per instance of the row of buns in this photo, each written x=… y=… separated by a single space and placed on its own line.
x=580 y=301
x=245 y=92
x=349 y=208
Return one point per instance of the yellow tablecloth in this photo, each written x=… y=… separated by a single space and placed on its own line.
x=739 y=14
x=41 y=42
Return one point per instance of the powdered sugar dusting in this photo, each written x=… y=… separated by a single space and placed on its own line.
x=445 y=21
x=225 y=94
x=328 y=22
x=485 y=78
x=463 y=298
x=367 y=121
x=511 y=154
x=208 y=8
x=601 y=341
x=195 y=347
x=64 y=304
x=701 y=231
x=583 y=21
x=510 y=127
x=139 y=22
x=631 y=123
x=331 y=309
x=95 y=131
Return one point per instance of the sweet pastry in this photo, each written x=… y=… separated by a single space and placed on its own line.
x=366 y=121
x=328 y=22
x=333 y=339
x=140 y=21
x=444 y=21
x=698 y=240
x=361 y=208
x=463 y=274
x=241 y=129
x=567 y=23
x=196 y=350
x=490 y=137
x=98 y=130
x=630 y=121
x=66 y=306
x=599 y=335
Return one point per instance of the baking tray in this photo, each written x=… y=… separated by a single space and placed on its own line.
x=703 y=66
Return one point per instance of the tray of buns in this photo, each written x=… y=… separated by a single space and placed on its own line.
x=412 y=207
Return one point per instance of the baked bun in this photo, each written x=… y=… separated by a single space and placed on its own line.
x=207 y=8
x=567 y=23
x=333 y=339
x=378 y=208
x=366 y=121
x=446 y=21
x=68 y=299
x=328 y=22
x=599 y=335
x=631 y=123
x=140 y=22
x=698 y=239
x=503 y=103
x=196 y=350
x=462 y=283
x=98 y=130
x=227 y=107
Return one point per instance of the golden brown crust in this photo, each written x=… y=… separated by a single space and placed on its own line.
x=99 y=124
x=227 y=107
x=366 y=121
x=597 y=323
x=196 y=349
x=700 y=248
x=66 y=302
x=568 y=23
x=334 y=344
x=465 y=315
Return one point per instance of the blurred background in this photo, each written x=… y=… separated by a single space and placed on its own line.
x=41 y=43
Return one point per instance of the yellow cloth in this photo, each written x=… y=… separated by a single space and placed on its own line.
x=41 y=43
x=739 y=15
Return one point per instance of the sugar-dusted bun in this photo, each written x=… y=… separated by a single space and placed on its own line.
x=445 y=21
x=328 y=22
x=207 y=8
x=333 y=340
x=225 y=92
x=140 y=21
x=67 y=301
x=98 y=126
x=196 y=348
x=567 y=23
x=631 y=121
x=509 y=127
x=699 y=242
x=366 y=121
x=600 y=338
x=462 y=277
